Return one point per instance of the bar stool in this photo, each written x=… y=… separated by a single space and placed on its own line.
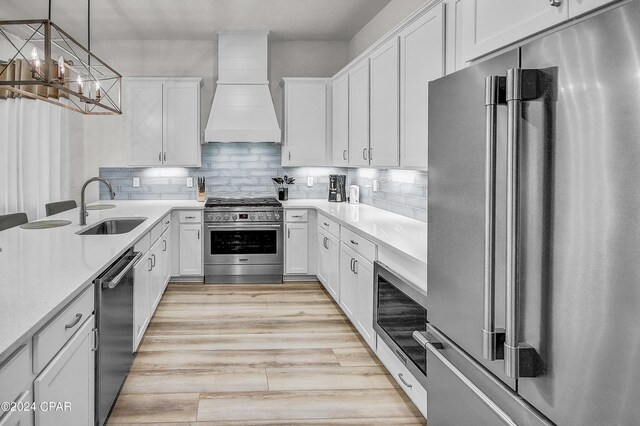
x=13 y=219
x=59 y=207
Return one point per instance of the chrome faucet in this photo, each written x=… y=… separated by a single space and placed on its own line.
x=83 y=205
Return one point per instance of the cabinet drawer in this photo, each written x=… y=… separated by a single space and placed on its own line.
x=48 y=341
x=143 y=244
x=405 y=379
x=328 y=225
x=362 y=246
x=191 y=217
x=296 y=215
x=166 y=222
x=15 y=375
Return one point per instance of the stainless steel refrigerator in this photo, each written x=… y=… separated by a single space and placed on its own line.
x=534 y=232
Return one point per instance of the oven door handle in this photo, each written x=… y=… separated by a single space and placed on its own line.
x=243 y=225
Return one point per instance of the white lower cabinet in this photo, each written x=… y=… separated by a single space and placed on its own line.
x=328 y=261
x=190 y=249
x=356 y=292
x=68 y=381
x=141 y=313
x=296 y=248
x=19 y=417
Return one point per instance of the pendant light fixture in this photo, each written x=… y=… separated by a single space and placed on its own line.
x=39 y=60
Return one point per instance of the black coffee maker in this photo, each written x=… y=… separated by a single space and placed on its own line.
x=337 y=188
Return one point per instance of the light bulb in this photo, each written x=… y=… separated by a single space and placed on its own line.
x=98 y=93
x=34 y=54
x=61 y=68
x=80 y=85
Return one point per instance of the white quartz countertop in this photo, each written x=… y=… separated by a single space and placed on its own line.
x=41 y=271
x=405 y=235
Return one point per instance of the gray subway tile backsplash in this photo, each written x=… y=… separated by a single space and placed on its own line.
x=245 y=169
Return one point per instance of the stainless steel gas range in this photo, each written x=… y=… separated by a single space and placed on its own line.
x=243 y=240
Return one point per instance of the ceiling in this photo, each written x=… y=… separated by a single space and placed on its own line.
x=201 y=19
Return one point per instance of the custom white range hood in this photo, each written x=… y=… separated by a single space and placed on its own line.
x=242 y=109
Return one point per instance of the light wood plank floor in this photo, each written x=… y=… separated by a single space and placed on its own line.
x=256 y=355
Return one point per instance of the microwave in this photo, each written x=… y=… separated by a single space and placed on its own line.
x=400 y=309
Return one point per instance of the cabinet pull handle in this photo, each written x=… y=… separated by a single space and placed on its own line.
x=165 y=245
x=188 y=217
x=293 y=215
x=198 y=234
x=75 y=321
x=344 y=154
x=404 y=382
x=150 y=265
x=165 y=156
x=355 y=243
x=364 y=154
x=289 y=155
x=96 y=340
x=326 y=224
x=288 y=233
x=167 y=222
x=352 y=267
x=153 y=262
x=324 y=243
x=370 y=154
x=555 y=3
x=355 y=266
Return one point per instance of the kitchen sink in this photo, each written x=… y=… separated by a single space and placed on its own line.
x=113 y=226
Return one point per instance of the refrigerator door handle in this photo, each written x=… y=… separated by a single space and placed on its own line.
x=433 y=346
x=520 y=359
x=492 y=338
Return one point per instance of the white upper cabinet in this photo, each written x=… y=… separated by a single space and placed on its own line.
x=359 y=114
x=490 y=25
x=144 y=115
x=384 y=114
x=341 y=120
x=163 y=121
x=306 y=122
x=422 y=59
x=181 y=123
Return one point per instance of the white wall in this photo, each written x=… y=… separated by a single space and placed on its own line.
x=104 y=140
x=394 y=13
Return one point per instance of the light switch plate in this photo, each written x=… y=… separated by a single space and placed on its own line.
x=189 y=182
x=136 y=182
x=310 y=181
x=376 y=186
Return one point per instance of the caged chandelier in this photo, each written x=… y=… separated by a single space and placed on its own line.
x=38 y=60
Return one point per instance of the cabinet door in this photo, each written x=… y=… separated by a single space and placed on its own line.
x=165 y=241
x=21 y=417
x=490 y=25
x=341 y=121
x=296 y=248
x=348 y=283
x=190 y=249
x=384 y=116
x=181 y=124
x=69 y=378
x=364 y=323
x=422 y=53
x=359 y=114
x=329 y=263
x=306 y=123
x=141 y=315
x=155 y=276
x=579 y=7
x=144 y=122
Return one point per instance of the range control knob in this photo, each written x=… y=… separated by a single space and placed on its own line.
x=217 y=217
x=260 y=215
x=277 y=216
x=234 y=217
x=226 y=217
x=252 y=216
x=268 y=215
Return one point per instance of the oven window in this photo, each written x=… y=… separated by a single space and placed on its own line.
x=400 y=316
x=244 y=241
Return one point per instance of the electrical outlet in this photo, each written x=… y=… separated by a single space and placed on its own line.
x=136 y=182
x=189 y=182
x=376 y=185
x=310 y=181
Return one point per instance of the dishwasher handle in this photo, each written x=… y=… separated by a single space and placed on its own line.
x=129 y=262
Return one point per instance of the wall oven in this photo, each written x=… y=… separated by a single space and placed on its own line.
x=399 y=310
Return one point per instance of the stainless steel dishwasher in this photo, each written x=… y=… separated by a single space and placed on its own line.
x=114 y=318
